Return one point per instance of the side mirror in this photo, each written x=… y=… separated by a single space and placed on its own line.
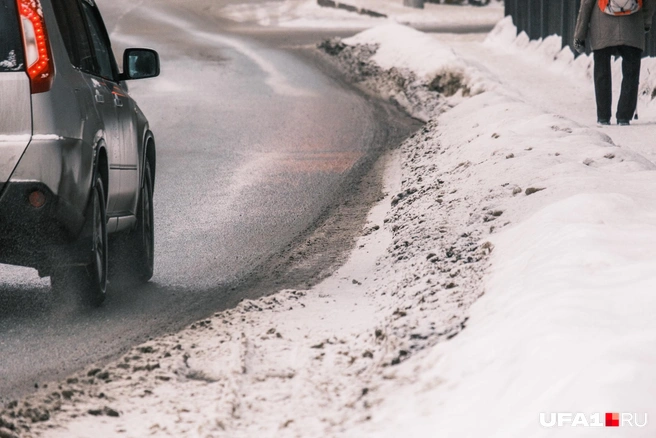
x=140 y=64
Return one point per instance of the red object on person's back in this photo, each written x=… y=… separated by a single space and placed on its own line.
x=620 y=7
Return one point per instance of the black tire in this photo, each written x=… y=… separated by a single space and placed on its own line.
x=88 y=282
x=134 y=253
x=98 y=269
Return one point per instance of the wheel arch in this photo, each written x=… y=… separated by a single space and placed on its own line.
x=101 y=168
x=150 y=155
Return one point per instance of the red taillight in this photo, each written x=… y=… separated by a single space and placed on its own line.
x=37 y=49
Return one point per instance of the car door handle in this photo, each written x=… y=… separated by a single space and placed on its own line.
x=117 y=101
x=100 y=98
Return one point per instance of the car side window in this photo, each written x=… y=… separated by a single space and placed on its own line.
x=11 y=45
x=74 y=32
x=101 y=48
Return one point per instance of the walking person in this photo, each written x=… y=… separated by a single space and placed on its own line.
x=615 y=28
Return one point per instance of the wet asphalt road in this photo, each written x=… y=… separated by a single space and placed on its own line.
x=254 y=143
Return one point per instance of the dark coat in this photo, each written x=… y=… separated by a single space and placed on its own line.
x=603 y=30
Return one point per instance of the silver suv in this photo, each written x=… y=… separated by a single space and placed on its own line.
x=77 y=157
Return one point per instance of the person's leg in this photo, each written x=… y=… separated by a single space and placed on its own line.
x=631 y=59
x=603 y=83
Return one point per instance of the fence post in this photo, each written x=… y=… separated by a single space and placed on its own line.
x=650 y=47
x=571 y=22
x=521 y=13
x=544 y=21
x=564 y=23
x=533 y=20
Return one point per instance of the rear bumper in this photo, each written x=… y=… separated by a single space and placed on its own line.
x=36 y=237
x=42 y=237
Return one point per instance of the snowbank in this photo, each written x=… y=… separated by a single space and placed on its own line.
x=432 y=62
x=410 y=68
x=566 y=317
x=569 y=299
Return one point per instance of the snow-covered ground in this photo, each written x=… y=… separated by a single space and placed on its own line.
x=567 y=315
x=308 y=13
x=509 y=272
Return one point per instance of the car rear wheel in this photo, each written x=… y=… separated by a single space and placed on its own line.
x=89 y=282
x=134 y=252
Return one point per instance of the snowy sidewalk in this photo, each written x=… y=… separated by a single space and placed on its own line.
x=563 y=87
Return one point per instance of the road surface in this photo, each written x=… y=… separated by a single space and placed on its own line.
x=257 y=146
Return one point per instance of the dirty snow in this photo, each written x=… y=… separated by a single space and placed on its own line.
x=509 y=272
x=422 y=55
x=410 y=68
